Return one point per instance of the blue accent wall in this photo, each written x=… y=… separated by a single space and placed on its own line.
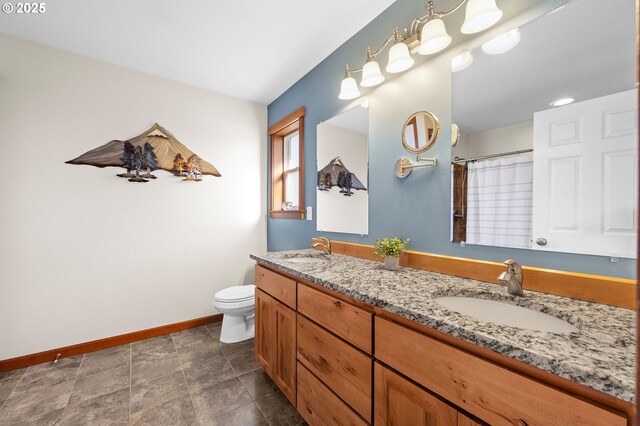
x=418 y=207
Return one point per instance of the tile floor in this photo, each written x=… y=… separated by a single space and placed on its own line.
x=186 y=378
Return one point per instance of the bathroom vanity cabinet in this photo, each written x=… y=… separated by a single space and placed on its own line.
x=344 y=362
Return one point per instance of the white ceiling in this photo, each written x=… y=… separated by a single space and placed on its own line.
x=250 y=49
x=584 y=50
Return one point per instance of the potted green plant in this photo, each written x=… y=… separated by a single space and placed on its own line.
x=390 y=249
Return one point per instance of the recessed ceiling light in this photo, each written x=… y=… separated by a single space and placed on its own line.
x=503 y=43
x=561 y=102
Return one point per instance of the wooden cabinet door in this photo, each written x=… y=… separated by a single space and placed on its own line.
x=265 y=331
x=400 y=402
x=275 y=342
x=284 y=367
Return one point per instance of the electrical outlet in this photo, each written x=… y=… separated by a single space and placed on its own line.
x=309 y=213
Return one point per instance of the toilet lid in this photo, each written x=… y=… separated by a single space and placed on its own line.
x=236 y=294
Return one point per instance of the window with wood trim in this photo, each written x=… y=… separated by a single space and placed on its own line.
x=287 y=167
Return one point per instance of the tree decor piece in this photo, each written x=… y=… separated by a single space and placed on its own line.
x=149 y=161
x=138 y=160
x=155 y=149
x=178 y=165
x=336 y=174
x=127 y=160
x=193 y=169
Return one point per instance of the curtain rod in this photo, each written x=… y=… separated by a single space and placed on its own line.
x=467 y=160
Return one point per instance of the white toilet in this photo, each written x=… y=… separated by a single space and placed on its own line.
x=238 y=306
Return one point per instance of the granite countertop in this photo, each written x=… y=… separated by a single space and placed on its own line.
x=600 y=355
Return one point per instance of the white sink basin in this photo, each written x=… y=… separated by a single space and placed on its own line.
x=505 y=314
x=306 y=260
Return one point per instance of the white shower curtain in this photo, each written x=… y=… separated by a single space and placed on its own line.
x=500 y=201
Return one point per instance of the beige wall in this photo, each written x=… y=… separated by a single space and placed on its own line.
x=85 y=254
x=495 y=141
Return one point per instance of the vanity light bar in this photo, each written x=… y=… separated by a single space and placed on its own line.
x=427 y=36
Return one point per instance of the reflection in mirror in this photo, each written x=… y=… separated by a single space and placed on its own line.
x=420 y=131
x=455 y=134
x=342 y=198
x=531 y=172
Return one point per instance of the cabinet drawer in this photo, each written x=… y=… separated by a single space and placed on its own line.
x=344 y=319
x=278 y=286
x=493 y=393
x=343 y=368
x=319 y=406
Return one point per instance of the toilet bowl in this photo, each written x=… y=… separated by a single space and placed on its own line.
x=238 y=306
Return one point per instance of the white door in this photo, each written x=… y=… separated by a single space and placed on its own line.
x=585 y=177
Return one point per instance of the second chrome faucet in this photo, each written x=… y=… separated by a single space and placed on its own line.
x=512 y=278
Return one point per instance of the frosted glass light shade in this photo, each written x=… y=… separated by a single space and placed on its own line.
x=349 y=89
x=480 y=15
x=433 y=37
x=503 y=43
x=399 y=58
x=461 y=62
x=371 y=75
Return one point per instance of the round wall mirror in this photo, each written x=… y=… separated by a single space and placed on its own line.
x=420 y=132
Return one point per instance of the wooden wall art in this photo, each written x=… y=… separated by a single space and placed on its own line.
x=155 y=149
x=336 y=174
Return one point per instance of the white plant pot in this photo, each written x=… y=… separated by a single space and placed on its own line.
x=391 y=263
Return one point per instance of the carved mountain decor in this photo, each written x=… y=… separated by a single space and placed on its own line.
x=155 y=149
x=336 y=174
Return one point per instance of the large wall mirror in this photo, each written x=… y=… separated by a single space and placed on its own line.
x=547 y=154
x=342 y=196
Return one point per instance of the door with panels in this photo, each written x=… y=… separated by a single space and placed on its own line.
x=585 y=177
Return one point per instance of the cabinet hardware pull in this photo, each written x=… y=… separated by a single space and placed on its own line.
x=522 y=422
x=338 y=304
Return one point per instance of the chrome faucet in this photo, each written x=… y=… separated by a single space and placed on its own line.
x=325 y=245
x=512 y=278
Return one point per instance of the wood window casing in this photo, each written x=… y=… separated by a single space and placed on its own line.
x=277 y=133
